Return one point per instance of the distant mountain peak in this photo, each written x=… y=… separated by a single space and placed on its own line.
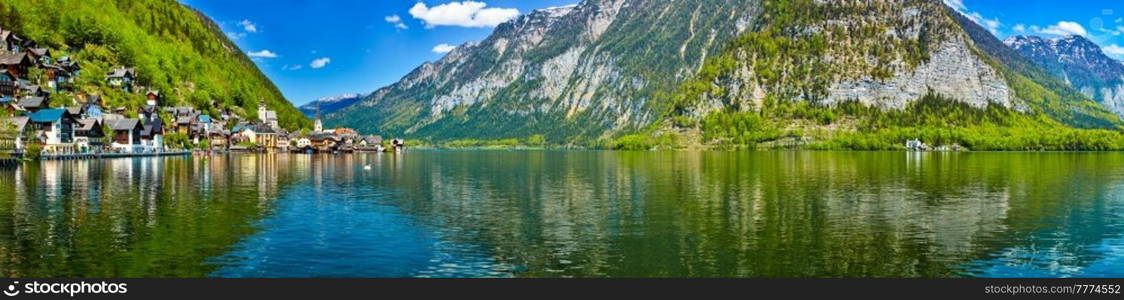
x=330 y=104
x=1079 y=62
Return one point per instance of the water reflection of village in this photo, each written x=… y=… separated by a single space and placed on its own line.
x=149 y=217
x=572 y=213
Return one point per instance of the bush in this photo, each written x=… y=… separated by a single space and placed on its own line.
x=633 y=142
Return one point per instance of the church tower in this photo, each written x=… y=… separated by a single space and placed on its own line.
x=261 y=111
x=319 y=127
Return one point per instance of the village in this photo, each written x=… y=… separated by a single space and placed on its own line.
x=33 y=127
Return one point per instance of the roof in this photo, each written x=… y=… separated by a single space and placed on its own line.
x=322 y=137
x=148 y=109
x=33 y=102
x=373 y=139
x=184 y=120
x=21 y=122
x=152 y=127
x=74 y=110
x=123 y=124
x=33 y=89
x=204 y=119
x=40 y=51
x=12 y=58
x=48 y=115
x=86 y=124
x=121 y=72
x=261 y=129
x=153 y=92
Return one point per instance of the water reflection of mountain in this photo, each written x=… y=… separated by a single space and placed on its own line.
x=158 y=217
x=759 y=214
x=568 y=213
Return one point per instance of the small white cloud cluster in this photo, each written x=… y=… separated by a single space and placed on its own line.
x=262 y=54
x=1062 y=28
x=464 y=14
x=443 y=48
x=248 y=26
x=397 y=21
x=320 y=62
x=993 y=25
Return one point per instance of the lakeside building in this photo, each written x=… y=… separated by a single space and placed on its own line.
x=54 y=129
x=88 y=126
x=126 y=135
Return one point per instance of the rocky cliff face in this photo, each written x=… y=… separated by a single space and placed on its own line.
x=884 y=54
x=581 y=70
x=1080 y=63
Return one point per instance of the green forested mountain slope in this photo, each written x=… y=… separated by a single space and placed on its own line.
x=175 y=50
x=873 y=74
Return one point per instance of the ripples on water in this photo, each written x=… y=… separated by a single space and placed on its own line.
x=563 y=214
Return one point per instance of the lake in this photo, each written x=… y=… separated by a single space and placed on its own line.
x=568 y=214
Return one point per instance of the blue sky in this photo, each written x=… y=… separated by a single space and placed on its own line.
x=1101 y=21
x=312 y=49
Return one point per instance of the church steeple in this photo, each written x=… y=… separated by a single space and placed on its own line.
x=261 y=111
x=319 y=126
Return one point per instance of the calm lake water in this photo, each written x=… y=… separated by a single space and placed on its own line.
x=568 y=214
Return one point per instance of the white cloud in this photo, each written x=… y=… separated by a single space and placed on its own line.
x=443 y=48
x=235 y=35
x=262 y=54
x=397 y=21
x=991 y=25
x=248 y=26
x=1019 y=28
x=956 y=4
x=320 y=62
x=292 y=67
x=1113 y=50
x=1064 y=28
x=465 y=14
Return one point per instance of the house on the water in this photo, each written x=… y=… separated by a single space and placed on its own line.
x=126 y=135
x=54 y=129
x=88 y=135
x=152 y=126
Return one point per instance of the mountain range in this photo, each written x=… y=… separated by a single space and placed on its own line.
x=573 y=72
x=1080 y=63
x=852 y=74
x=327 y=105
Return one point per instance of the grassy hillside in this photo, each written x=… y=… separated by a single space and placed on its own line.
x=175 y=49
